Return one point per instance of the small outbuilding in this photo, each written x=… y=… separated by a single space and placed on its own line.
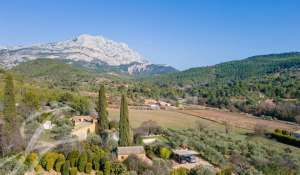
x=124 y=152
x=297 y=134
x=184 y=155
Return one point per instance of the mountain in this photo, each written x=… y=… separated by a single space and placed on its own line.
x=94 y=52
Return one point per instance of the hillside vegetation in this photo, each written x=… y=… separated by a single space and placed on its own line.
x=261 y=85
x=266 y=85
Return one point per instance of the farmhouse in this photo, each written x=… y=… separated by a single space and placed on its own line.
x=83 y=125
x=124 y=152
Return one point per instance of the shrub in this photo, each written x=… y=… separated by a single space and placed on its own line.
x=96 y=163
x=32 y=159
x=48 y=160
x=133 y=163
x=180 y=171
x=287 y=139
x=58 y=165
x=225 y=171
x=66 y=168
x=164 y=152
x=106 y=170
x=59 y=162
x=38 y=168
x=202 y=170
x=88 y=168
x=82 y=161
x=118 y=168
x=73 y=158
x=99 y=173
x=73 y=171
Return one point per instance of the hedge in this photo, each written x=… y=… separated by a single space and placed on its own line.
x=287 y=139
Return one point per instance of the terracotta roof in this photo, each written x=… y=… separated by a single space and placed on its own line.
x=87 y=117
x=131 y=150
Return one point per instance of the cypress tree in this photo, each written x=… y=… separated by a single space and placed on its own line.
x=9 y=104
x=124 y=128
x=82 y=161
x=66 y=168
x=11 y=136
x=101 y=109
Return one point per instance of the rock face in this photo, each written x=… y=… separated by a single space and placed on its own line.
x=94 y=51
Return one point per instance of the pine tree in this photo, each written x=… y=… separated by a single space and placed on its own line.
x=101 y=109
x=11 y=136
x=124 y=128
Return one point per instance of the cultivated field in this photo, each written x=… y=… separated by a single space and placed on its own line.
x=165 y=118
x=238 y=120
x=208 y=117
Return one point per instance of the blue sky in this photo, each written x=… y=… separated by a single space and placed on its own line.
x=181 y=33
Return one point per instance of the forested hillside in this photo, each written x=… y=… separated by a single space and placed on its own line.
x=262 y=85
x=256 y=66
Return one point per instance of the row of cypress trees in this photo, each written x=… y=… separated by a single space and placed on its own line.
x=124 y=128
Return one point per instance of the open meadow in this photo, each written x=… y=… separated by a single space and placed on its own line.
x=165 y=118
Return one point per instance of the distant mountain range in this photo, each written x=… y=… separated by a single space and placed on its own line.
x=92 y=52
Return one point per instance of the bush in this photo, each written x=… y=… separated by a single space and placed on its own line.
x=133 y=163
x=38 y=168
x=88 y=168
x=73 y=171
x=202 y=170
x=180 y=171
x=48 y=160
x=287 y=139
x=96 y=163
x=106 y=169
x=225 y=171
x=66 y=168
x=58 y=165
x=73 y=158
x=165 y=152
x=32 y=159
x=99 y=173
x=82 y=161
x=118 y=168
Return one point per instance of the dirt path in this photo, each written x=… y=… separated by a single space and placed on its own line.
x=238 y=120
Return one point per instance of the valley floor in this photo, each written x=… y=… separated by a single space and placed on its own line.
x=208 y=116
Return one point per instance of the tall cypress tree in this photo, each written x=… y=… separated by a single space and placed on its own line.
x=124 y=128
x=9 y=104
x=101 y=109
x=11 y=134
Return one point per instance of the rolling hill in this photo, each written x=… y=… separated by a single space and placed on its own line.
x=256 y=66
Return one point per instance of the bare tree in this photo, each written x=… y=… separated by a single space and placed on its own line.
x=227 y=126
x=260 y=130
x=200 y=126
